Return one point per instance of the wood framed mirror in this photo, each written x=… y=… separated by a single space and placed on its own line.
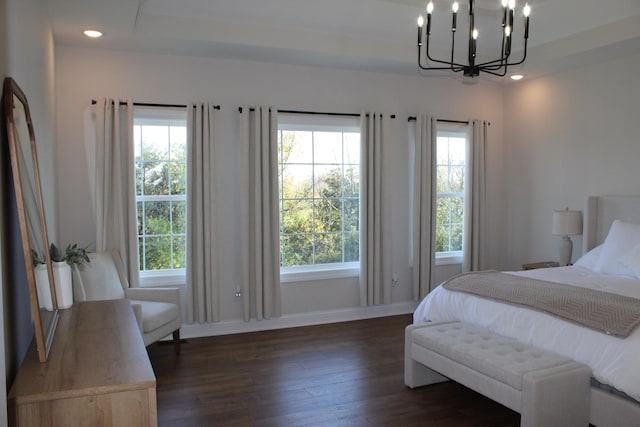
x=30 y=207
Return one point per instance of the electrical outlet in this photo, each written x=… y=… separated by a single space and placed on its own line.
x=238 y=291
x=394 y=279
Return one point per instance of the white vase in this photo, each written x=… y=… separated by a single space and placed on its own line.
x=64 y=288
x=42 y=285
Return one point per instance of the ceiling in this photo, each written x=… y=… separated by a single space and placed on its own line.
x=377 y=35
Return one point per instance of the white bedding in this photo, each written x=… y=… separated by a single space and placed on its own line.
x=614 y=361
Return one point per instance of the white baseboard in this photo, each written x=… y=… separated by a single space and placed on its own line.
x=294 y=320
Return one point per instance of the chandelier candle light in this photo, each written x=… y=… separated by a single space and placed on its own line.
x=497 y=67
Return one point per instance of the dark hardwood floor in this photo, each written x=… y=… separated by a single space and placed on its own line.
x=342 y=374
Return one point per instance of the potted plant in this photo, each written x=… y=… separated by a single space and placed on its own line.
x=61 y=262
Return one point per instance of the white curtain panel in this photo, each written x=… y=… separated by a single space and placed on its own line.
x=116 y=225
x=261 y=238
x=423 y=137
x=375 y=213
x=202 y=281
x=474 y=254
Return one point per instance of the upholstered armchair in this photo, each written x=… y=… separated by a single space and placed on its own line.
x=157 y=309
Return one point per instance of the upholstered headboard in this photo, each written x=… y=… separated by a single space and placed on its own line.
x=601 y=211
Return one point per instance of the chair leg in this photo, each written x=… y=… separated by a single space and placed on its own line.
x=176 y=341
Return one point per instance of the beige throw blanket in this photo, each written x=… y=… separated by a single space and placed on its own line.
x=610 y=313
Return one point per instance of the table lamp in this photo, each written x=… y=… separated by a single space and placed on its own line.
x=565 y=224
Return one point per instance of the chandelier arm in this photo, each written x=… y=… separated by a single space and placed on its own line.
x=499 y=63
x=504 y=62
x=448 y=67
x=502 y=74
x=450 y=64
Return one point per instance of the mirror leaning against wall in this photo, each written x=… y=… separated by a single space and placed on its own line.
x=30 y=209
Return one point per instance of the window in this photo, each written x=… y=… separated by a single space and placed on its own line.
x=319 y=190
x=451 y=166
x=160 y=138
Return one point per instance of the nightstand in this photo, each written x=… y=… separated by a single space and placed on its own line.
x=543 y=264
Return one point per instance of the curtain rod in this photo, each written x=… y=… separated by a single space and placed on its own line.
x=148 y=104
x=413 y=118
x=320 y=113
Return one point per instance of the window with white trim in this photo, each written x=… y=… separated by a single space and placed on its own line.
x=160 y=138
x=450 y=184
x=319 y=193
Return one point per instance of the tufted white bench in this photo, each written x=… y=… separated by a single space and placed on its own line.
x=545 y=388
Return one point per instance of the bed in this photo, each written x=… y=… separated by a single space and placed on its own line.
x=608 y=265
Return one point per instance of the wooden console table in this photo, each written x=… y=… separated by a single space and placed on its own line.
x=98 y=372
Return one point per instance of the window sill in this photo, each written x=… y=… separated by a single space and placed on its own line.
x=163 y=278
x=317 y=272
x=449 y=259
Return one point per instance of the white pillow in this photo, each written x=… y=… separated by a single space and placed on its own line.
x=632 y=261
x=620 y=241
x=590 y=259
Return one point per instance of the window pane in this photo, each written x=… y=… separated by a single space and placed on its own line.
x=296 y=216
x=140 y=213
x=457 y=151
x=296 y=147
x=456 y=209
x=456 y=238
x=442 y=238
x=155 y=142
x=328 y=181
x=179 y=217
x=158 y=253
x=156 y=178
x=351 y=181
x=351 y=214
x=442 y=212
x=442 y=179
x=139 y=178
x=297 y=250
x=178 y=178
x=352 y=247
x=327 y=147
x=157 y=219
x=179 y=252
x=456 y=179
x=178 y=135
x=351 y=148
x=297 y=181
x=141 y=252
x=328 y=248
x=137 y=142
x=442 y=151
x=327 y=215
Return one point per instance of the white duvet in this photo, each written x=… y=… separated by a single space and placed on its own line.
x=614 y=361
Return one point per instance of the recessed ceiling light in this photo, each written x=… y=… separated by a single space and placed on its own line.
x=92 y=33
x=517 y=77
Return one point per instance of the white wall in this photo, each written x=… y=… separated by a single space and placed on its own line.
x=568 y=136
x=27 y=55
x=84 y=74
x=30 y=61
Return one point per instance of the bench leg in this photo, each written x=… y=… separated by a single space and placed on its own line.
x=415 y=373
x=176 y=341
x=556 y=397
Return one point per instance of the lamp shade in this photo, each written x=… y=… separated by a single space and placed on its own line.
x=567 y=222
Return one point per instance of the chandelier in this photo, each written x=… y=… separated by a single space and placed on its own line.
x=497 y=67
